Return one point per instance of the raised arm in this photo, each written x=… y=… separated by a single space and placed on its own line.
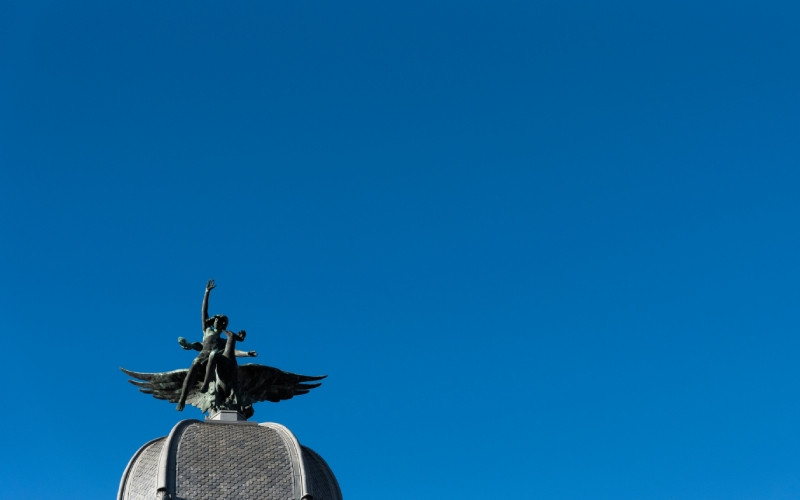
x=209 y=286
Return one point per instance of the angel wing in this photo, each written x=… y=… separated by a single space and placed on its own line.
x=265 y=383
x=256 y=383
x=167 y=386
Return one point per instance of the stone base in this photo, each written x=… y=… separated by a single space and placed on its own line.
x=226 y=416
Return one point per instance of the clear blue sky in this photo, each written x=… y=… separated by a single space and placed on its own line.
x=543 y=250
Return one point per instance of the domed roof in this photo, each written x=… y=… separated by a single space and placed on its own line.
x=218 y=460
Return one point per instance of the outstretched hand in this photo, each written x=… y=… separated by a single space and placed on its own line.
x=252 y=354
x=210 y=285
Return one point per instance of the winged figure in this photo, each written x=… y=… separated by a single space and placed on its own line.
x=226 y=385
x=255 y=383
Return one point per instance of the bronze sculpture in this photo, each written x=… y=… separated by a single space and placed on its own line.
x=226 y=385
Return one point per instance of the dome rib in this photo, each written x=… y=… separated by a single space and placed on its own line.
x=166 y=483
x=296 y=454
x=322 y=481
x=132 y=464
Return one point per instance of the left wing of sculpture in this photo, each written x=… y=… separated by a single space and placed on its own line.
x=265 y=383
x=167 y=386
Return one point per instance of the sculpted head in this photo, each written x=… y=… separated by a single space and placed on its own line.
x=218 y=321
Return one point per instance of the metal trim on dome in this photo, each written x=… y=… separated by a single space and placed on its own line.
x=321 y=466
x=165 y=484
x=124 y=481
x=296 y=452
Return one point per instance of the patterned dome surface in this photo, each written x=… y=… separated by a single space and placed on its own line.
x=221 y=460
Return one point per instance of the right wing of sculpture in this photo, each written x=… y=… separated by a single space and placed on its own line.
x=167 y=386
x=265 y=383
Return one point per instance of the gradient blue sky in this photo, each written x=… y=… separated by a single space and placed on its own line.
x=543 y=250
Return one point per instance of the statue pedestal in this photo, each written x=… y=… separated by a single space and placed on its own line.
x=226 y=416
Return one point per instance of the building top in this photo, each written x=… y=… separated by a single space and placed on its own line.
x=219 y=459
x=225 y=456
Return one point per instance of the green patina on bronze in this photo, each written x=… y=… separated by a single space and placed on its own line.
x=225 y=384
